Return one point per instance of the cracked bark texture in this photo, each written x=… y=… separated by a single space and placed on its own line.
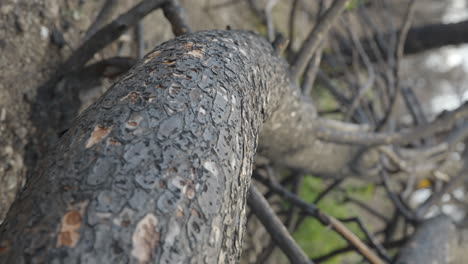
x=157 y=170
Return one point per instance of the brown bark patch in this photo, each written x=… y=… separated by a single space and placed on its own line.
x=98 y=134
x=188 y=45
x=152 y=56
x=114 y=142
x=190 y=193
x=145 y=238
x=69 y=234
x=132 y=96
x=169 y=62
x=179 y=212
x=73 y=218
x=199 y=53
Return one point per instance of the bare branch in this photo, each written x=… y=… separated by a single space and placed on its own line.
x=316 y=35
x=340 y=132
x=109 y=33
x=175 y=14
x=106 y=11
x=275 y=227
x=372 y=241
x=325 y=219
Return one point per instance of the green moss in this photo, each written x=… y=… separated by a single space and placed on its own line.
x=312 y=236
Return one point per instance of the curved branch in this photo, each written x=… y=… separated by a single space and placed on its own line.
x=161 y=162
x=345 y=133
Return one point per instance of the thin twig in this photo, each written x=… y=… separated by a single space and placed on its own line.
x=311 y=71
x=275 y=227
x=372 y=241
x=269 y=19
x=367 y=208
x=316 y=35
x=370 y=70
x=331 y=187
x=109 y=33
x=291 y=27
x=436 y=197
x=106 y=11
x=391 y=244
x=399 y=54
x=413 y=105
x=325 y=219
x=140 y=41
x=346 y=133
x=397 y=202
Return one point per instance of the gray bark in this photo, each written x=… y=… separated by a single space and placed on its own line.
x=157 y=170
x=435 y=241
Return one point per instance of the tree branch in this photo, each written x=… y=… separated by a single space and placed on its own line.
x=316 y=36
x=275 y=227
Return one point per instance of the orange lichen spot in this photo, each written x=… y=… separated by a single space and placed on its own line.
x=152 y=56
x=199 y=53
x=69 y=233
x=424 y=183
x=145 y=238
x=98 y=134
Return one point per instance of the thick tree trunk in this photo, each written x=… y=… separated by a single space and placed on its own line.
x=158 y=169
